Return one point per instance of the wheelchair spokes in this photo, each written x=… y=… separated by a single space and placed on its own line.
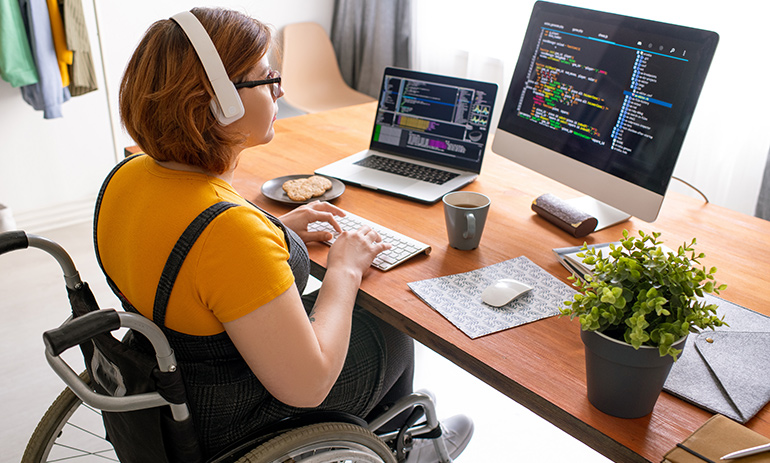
x=70 y=431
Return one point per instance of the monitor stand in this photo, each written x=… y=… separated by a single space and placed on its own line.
x=606 y=215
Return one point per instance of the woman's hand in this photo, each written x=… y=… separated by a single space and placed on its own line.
x=299 y=218
x=355 y=250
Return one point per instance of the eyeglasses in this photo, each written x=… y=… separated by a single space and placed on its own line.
x=273 y=79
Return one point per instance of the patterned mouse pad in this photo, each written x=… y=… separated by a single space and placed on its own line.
x=458 y=297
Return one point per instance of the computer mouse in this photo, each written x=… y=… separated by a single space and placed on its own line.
x=503 y=291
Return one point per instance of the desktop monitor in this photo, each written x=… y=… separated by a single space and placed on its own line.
x=601 y=103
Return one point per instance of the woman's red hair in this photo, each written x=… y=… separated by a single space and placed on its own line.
x=165 y=93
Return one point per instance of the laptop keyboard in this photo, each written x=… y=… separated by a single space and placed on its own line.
x=407 y=169
x=403 y=248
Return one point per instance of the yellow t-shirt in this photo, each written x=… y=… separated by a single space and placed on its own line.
x=239 y=262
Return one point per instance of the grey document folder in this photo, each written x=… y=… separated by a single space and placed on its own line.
x=726 y=371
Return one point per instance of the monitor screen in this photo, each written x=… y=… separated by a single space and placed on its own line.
x=602 y=102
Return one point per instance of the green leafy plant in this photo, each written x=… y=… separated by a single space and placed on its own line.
x=644 y=295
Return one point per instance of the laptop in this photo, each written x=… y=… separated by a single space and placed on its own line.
x=428 y=139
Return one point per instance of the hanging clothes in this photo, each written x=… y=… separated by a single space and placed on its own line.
x=17 y=65
x=47 y=94
x=63 y=54
x=82 y=72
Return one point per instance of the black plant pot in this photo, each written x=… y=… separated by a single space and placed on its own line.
x=621 y=380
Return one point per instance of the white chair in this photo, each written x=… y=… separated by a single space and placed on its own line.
x=310 y=73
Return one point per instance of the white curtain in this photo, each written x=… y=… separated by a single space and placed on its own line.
x=727 y=144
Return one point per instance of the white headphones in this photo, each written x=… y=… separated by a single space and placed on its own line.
x=227 y=105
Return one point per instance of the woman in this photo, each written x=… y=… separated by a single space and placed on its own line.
x=251 y=349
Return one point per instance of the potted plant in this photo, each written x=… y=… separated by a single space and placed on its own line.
x=636 y=310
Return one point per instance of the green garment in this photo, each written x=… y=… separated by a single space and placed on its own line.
x=17 y=66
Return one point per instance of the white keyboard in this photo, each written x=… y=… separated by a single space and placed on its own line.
x=403 y=248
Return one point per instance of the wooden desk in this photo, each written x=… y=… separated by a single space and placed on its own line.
x=540 y=365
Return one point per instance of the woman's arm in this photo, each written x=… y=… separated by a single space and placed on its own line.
x=296 y=357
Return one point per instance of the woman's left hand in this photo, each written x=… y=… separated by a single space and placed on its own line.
x=299 y=218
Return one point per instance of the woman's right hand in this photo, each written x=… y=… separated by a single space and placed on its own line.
x=356 y=250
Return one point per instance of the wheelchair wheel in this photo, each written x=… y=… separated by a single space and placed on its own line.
x=323 y=443
x=71 y=431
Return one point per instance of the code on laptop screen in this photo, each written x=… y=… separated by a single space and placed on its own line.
x=437 y=118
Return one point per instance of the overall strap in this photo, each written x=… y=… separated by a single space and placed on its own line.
x=126 y=304
x=178 y=255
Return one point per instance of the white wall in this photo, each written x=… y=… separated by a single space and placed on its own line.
x=51 y=170
x=46 y=166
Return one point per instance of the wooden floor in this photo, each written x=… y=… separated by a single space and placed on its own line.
x=33 y=299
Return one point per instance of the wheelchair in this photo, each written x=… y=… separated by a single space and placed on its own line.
x=129 y=407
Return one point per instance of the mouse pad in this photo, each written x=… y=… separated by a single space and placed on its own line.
x=458 y=297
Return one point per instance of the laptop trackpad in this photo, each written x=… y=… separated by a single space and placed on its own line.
x=384 y=181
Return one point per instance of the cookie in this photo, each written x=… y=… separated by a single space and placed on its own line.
x=323 y=182
x=302 y=189
x=299 y=190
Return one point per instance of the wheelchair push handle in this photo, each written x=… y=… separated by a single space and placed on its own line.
x=19 y=239
x=79 y=330
x=13 y=240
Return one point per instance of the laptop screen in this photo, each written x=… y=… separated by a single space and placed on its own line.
x=439 y=119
